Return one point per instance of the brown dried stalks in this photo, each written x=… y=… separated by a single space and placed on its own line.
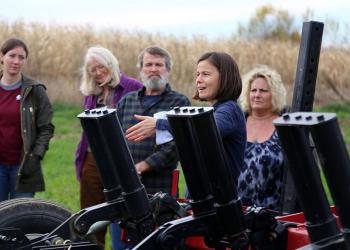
x=56 y=56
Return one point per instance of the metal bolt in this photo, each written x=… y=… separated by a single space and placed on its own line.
x=4 y=238
x=81 y=227
x=286 y=117
x=320 y=117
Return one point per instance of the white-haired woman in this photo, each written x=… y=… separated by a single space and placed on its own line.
x=263 y=98
x=102 y=85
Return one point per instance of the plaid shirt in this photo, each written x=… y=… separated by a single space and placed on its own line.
x=162 y=158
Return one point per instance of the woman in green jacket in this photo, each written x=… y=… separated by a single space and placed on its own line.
x=25 y=125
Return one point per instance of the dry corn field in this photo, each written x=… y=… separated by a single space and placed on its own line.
x=56 y=55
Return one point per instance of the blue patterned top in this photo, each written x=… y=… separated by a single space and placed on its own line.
x=260 y=181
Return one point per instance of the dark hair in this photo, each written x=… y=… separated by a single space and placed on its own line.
x=230 y=79
x=12 y=43
x=155 y=50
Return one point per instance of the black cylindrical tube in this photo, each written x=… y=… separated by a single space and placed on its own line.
x=320 y=222
x=227 y=203
x=192 y=163
x=113 y=158
x=200 y=148
x=90 y=121
x=215 y=159
x=335 y=162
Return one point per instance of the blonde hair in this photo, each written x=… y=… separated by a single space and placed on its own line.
x=273 y=80
x=105 y=58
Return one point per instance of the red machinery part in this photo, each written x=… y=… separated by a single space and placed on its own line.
x=297 y=235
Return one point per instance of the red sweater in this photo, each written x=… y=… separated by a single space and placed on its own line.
x=10 y=126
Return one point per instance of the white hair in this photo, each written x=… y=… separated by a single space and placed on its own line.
x=105 y=58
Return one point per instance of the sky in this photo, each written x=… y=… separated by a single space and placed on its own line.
x=211 y=18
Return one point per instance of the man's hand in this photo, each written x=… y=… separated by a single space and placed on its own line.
x=142 y=130
x=142 y=167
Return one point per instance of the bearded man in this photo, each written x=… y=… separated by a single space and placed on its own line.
x=154 y=163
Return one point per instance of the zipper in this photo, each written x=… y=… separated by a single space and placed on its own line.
x=25 y=94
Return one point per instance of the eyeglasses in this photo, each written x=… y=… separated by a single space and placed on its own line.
x=93 y=70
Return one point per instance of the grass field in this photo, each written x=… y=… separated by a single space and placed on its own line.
x=61 y=184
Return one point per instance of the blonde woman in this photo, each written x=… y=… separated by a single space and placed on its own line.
x=102 y=85
x=263 y=98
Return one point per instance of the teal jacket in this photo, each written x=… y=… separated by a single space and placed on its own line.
x=36 y=130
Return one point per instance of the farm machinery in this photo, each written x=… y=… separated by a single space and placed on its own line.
x=214 y=217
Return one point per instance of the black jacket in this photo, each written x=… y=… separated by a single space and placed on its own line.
x=36 y=130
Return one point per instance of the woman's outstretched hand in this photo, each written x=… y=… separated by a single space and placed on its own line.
x=142 y=130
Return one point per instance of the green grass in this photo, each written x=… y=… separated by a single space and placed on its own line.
x=61 y=184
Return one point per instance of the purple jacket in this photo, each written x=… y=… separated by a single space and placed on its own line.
x=126 y=85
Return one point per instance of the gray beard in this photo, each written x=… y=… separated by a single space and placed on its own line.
x=154 y=83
